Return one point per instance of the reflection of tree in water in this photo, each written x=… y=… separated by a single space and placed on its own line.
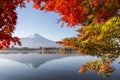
x=102 y=65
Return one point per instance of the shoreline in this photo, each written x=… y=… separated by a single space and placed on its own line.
x=36 y=50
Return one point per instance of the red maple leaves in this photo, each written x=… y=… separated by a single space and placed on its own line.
x=76 y=12
x=8 y=18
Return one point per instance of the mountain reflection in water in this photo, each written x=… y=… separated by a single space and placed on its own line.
x=35 y=66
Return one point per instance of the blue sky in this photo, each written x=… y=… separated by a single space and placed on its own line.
x=32 y=21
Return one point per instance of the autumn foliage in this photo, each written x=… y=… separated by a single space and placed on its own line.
x=8 y=20
x=98 y=21
x=74 y=12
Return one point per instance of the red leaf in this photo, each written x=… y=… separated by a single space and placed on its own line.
x=28 y=1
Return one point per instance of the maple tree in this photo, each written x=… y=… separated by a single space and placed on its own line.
x=8 y=17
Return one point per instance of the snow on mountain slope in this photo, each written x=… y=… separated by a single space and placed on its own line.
x=36 y=41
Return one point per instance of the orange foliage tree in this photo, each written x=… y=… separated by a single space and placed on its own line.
x=76 y=12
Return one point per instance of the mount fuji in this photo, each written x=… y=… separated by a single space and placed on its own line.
x=36 y=41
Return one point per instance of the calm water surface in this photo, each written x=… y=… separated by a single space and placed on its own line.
x=35 y=66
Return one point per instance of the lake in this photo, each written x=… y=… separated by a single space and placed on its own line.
x=53 y=66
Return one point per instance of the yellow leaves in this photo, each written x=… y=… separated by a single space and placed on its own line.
x=96 y=37
x=91 y=16
x=100 y=37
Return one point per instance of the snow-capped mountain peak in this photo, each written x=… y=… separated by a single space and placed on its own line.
x=35 y=35
x=36 y=41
